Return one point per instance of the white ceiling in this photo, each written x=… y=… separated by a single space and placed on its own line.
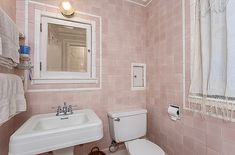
x=141 y=2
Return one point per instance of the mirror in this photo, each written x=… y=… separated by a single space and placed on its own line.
x=66 y=48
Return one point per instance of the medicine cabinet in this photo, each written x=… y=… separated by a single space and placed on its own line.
x=67 y=50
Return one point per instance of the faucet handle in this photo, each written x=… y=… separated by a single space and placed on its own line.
x=59 y=107
x=58 y=110
x=70 y=109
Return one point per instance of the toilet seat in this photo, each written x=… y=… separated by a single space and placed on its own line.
x=142 y=147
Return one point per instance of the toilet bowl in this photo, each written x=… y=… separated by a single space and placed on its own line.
x=129 y=127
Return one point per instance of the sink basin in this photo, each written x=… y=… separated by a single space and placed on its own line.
x=48 y=132
x=49 y=123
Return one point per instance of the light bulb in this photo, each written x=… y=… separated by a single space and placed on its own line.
x=66 y=5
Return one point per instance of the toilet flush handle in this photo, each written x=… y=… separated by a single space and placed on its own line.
x=117 y=119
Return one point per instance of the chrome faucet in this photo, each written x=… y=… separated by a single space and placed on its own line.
x=65 y=110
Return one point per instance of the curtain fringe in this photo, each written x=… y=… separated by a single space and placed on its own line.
x=222 y=109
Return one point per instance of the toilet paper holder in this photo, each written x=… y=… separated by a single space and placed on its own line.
x=174 y=112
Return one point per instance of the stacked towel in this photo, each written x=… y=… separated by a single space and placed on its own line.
x=12 y=99
x=9 y=38
x=7 y=62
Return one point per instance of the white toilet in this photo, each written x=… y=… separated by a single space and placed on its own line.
x=130 y=127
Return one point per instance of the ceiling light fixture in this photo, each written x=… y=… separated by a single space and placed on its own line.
x=67 y=9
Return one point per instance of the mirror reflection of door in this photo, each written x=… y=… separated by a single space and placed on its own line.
x=66 y=49
x=76 y=58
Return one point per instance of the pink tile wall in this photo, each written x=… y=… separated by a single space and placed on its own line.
x=123 y=43
x=192 y=135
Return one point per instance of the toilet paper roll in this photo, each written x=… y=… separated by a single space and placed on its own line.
x=173 y=112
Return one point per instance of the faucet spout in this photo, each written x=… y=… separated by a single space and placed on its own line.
x=65 y=108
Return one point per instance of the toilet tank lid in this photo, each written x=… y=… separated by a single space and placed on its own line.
x=127 y=113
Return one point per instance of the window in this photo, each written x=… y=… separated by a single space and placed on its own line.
x=212 y=88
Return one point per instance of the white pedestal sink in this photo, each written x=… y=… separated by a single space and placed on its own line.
x=47 y=132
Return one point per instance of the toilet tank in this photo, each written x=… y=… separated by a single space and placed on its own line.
x=128 y=125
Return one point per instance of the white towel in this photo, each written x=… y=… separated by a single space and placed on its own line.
x=9 y=35
x=12 y=99
x=7 y=62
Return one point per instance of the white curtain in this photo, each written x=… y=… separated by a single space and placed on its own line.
x=213 y=51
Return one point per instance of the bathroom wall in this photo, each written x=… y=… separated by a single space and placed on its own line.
x=124 y=27
x=9 y=6
x=192 y=134
x=123 y=33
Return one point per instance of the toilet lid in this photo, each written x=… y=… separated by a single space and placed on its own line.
x=143 y=146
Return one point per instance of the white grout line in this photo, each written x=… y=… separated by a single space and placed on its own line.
x=62 y=90
x=144 y=5
x=148 y=3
